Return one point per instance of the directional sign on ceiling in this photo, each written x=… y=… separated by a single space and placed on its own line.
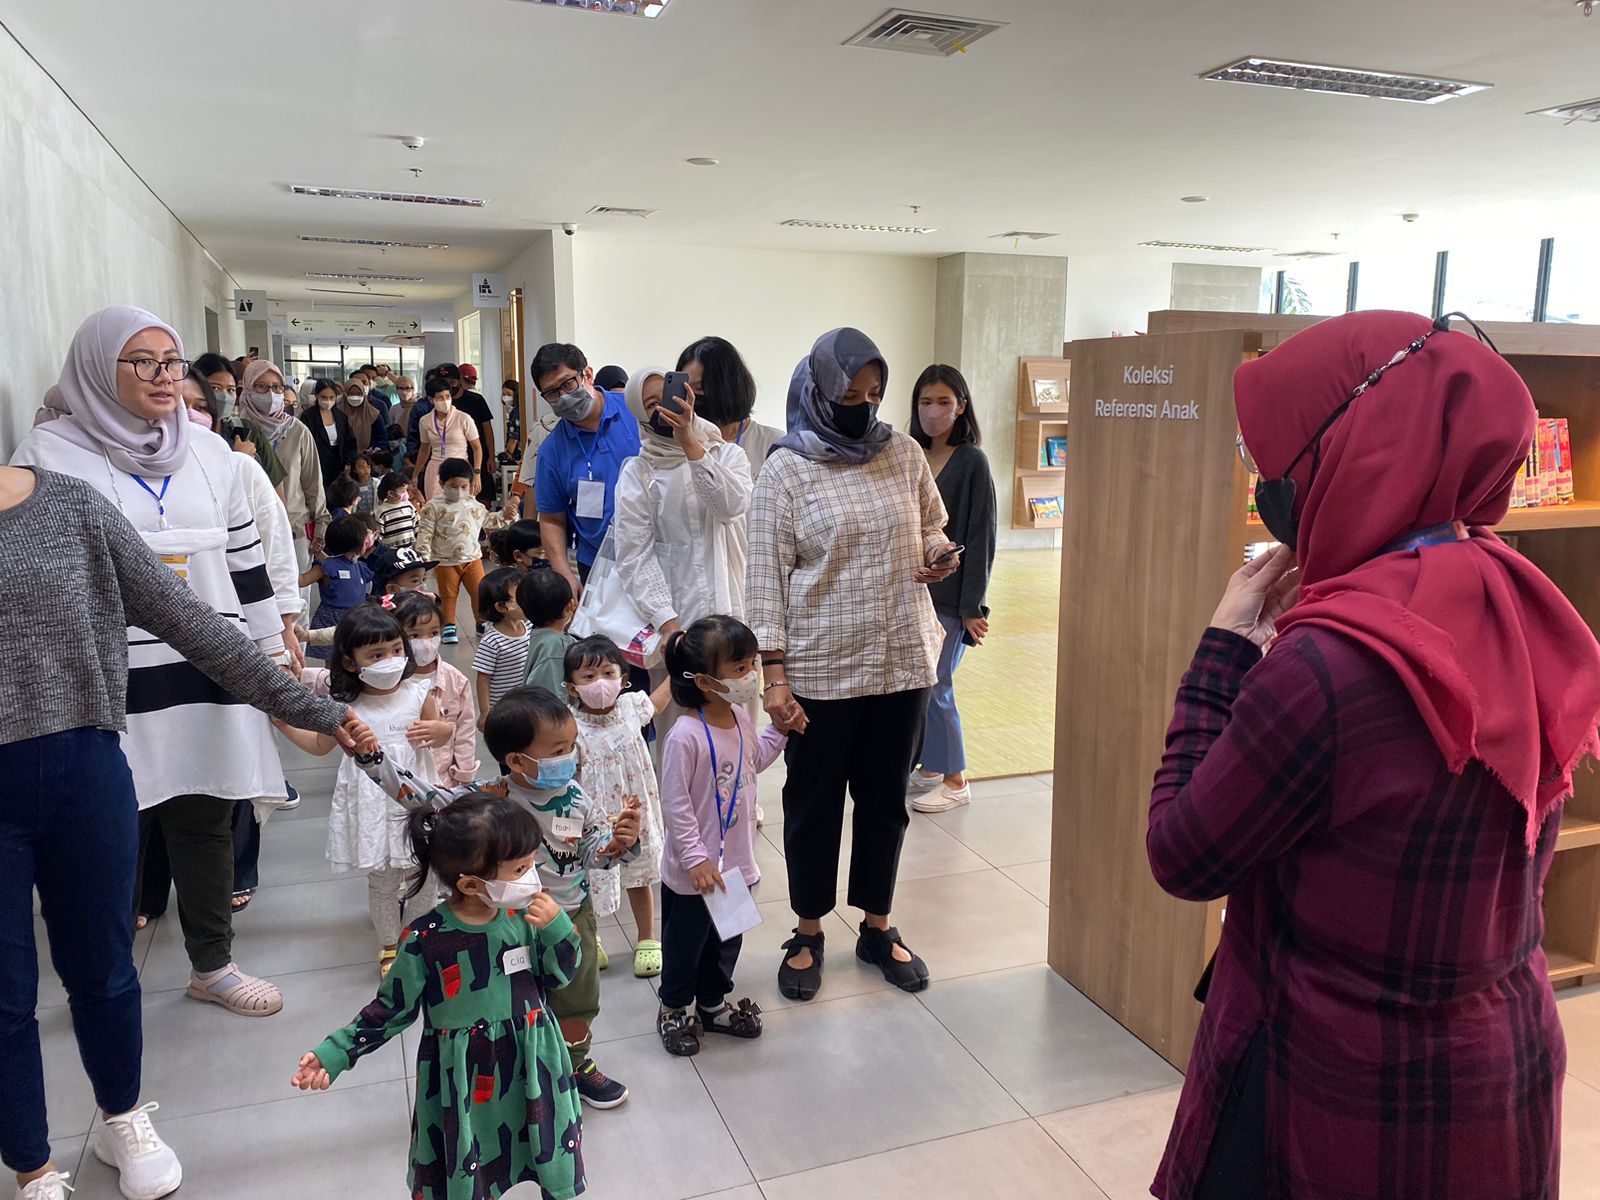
x=352 y=324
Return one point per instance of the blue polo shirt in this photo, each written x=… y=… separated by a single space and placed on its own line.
x=570 y=455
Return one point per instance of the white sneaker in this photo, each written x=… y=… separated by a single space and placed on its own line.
x=920 y=783
x=53 y=1186
x=761 y=817
x=147 y=1166
x=943 y=800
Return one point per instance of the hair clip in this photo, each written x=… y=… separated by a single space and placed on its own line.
x=387 y=601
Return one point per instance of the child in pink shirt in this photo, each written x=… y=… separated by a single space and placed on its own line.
x=709 y=765
x=423 y=621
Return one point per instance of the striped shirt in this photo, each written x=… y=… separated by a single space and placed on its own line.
x=833 y=548
x=503 y=659
x=397 y=525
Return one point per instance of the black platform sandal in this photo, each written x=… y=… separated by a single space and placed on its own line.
x=680 y=1032
x=741 y=1021
x=796 y=984
x=876 y=946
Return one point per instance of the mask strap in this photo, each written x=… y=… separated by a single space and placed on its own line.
x=1442 y=325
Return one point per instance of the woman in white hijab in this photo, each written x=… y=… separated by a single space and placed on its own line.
x=193 y=747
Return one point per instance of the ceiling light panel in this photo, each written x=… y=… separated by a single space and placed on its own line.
x=348 y=292
x=380 y=243
x=650 y=9
x=1583 y=110
x=848 y=227
x=607 y=210
x=357 y=277
x=302 y=189
x=1343 y=81
x=1022 y=234
x=1208 y=246
x=910 y=32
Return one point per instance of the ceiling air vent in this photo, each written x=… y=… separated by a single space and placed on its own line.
x=912 y=32
x=355 y=277
x=302 y=189
x=1017 y=235
x=607 y=210
x=1584 y=110
x=1303 y=254
x=1343 y=81
x=1208 y=246
x=848 y=227
x=378 y=242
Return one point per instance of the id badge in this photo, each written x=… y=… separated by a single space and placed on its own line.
x=516 y=959
x=566 y=828
x=179 y=565
x=591 y=499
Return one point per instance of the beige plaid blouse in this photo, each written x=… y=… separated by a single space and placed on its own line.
x=833 y=547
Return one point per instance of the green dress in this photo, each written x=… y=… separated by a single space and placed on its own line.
x=496 y=1102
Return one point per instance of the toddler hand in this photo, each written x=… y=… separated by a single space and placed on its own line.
x=312 y=1075
x=541 y=910
x=430 y=733
x=705 y=877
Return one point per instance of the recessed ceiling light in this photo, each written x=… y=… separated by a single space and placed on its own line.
x=378 y=242
x=301 y=189
x=621 y=8
x=360 y=277
x=1343 y=81
x=1209 y=246
x=703 y=162
x=348 y=292
x=607 y=210
x=848 y=227
x=1583 y=110
x=1194 y=199
x=1019 y=234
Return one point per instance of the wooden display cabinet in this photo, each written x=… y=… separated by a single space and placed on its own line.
x=1036 y=424
x=1155 y=522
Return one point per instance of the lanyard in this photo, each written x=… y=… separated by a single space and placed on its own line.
x=588 y=454
x=1436 y=535
x=159 y=497
x=743 y=425
x=724 y=823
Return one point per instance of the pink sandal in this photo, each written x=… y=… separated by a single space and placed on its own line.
x=241 y=994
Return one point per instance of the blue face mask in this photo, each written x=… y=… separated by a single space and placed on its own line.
x=556 y=773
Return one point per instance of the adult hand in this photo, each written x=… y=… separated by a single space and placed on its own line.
x=977 y=628
x=932 y=571
x=668 y=628
x=1258 y=594
x=354 y=735
x=572 y=581
x=706 y=877
x=682 y=425
x=541 y=910
x=783 y=709
x=312 y=1075
x=317 y=548
x=244 y=446
x=295 y=648
x=434 y=734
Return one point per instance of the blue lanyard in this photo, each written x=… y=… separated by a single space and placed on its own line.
x=743 y=425
x=159 y=497
x=724 y=823
x=1435 y=535
x=588 y=455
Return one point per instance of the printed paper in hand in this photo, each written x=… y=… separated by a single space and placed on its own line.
x=733 y=912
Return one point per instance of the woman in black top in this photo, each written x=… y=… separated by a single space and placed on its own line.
x=946 y=427
x=330 y=432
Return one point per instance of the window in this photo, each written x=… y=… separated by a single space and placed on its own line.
x=1402 y=280
x=1492 y=280
x=1575 y=281
x=469 y=339
x=1316 y=287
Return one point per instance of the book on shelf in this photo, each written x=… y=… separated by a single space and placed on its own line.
x=1545 y=477
x=1045 y=508
x=1049 y=393
x=1055 y=452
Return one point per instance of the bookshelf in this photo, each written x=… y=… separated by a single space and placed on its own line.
x=1037 y=423
x=1140 y=579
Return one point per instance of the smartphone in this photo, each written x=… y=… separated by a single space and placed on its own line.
x=674 y=390
x=947 y=556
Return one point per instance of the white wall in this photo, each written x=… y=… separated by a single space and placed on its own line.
x=78 y=232
x=639 y=303
x=1109 y=294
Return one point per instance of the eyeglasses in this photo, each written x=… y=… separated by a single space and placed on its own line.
x=148 y=369
x=1246 y=457
x=261 y=389
x=565 y=388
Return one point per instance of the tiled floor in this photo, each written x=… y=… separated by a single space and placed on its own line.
x=1000 y=1080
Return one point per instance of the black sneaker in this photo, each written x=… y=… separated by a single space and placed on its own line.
x=793 y=983
x=598 y=1089
x=293 y=802
x=680 y=1032
x=876 y=946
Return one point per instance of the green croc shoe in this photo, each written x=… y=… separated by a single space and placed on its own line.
x=647 y=959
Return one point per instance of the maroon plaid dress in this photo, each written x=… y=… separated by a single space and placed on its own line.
x=1382 y=934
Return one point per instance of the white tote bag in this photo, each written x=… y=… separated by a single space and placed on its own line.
x=607 y=609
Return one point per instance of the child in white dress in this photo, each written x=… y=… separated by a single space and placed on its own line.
x=371 y=669
x=613 y=767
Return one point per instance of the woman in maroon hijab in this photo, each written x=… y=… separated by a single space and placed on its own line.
x=1378 y=795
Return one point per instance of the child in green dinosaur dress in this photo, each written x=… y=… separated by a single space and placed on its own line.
x=496 y=1102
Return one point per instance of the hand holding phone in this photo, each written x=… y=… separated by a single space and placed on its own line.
x=947 y=556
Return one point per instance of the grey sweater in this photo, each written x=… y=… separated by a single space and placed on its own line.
x=967 y=489
x=75 y=576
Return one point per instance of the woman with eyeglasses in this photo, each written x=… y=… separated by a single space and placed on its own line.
x=231 y=425
x=1369 y=759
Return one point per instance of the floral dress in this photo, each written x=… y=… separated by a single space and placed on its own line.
x=614 y=764
x=367 y=830
x=496 y=1100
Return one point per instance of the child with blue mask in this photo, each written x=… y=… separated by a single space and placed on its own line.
x=533 y=735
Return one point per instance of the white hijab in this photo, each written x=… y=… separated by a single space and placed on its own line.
x=662 y=453
x=98 y=421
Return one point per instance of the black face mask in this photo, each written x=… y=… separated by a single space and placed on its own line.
x=657 y=425
x=853 y=420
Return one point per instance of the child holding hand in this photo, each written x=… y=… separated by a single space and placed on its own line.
x=495 y=1105
x=418 y=613
x=709 y=765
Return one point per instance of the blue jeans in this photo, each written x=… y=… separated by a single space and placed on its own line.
x=943 y=751
x=68 y=821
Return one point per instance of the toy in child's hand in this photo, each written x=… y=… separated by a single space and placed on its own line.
x=312 y=1075
x=624 y=829
x=541 y=910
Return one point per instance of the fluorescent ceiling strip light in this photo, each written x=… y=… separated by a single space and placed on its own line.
x=1583 y=110
x=848 y=227
x=304 y=189
x=378 y=242
x=361 y=278
x=1344 y=81
x=347 y=292
x=619 y=8
x=1208 y=246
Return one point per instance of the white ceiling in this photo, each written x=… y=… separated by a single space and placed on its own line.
x=1083 y=117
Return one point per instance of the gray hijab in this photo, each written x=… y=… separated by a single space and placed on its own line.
x=821 y=381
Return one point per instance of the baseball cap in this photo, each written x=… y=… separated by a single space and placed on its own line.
x=469 y=372
x=386 y=563
x=447 y=371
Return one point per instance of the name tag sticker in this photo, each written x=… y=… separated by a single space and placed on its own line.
x=566 y=827
x=516 y=959
x=179 y=564
x=591 y=504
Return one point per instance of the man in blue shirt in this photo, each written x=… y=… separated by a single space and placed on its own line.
x=575 y=481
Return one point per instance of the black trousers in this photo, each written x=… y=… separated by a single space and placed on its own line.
x=864 y=744
x=695 y=963
x=1236 y=1166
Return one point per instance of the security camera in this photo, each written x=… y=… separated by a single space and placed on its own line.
x=412 y=143
x=569 y=229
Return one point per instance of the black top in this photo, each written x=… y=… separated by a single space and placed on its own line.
x=967 y=488
x=341 y=454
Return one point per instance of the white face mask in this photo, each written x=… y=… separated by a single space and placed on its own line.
x=424 y=650
x=505 y=397
x=385 y=674
x=513 y=893
x=326 y=405
x=453 y=495
x=746 y=689
x=356 y=401
x=600 y=694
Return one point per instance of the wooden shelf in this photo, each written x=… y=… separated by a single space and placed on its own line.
x=1577 y=832
x=1057 y=416
x=1048 y=523
x=1564 y=966
x=1042 y=472
x=1581 y=514
x=1034 y=427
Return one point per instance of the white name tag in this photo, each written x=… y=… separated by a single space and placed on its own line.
x=591 y=504
x=566 y=828
x=516 y=959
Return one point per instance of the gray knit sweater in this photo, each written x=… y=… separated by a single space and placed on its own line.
x=73 y=576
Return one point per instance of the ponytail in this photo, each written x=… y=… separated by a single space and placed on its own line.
x=420 y=827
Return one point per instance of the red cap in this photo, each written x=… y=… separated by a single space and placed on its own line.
x=468 y=371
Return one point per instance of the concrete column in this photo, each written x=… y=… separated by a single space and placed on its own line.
x=990 y=310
